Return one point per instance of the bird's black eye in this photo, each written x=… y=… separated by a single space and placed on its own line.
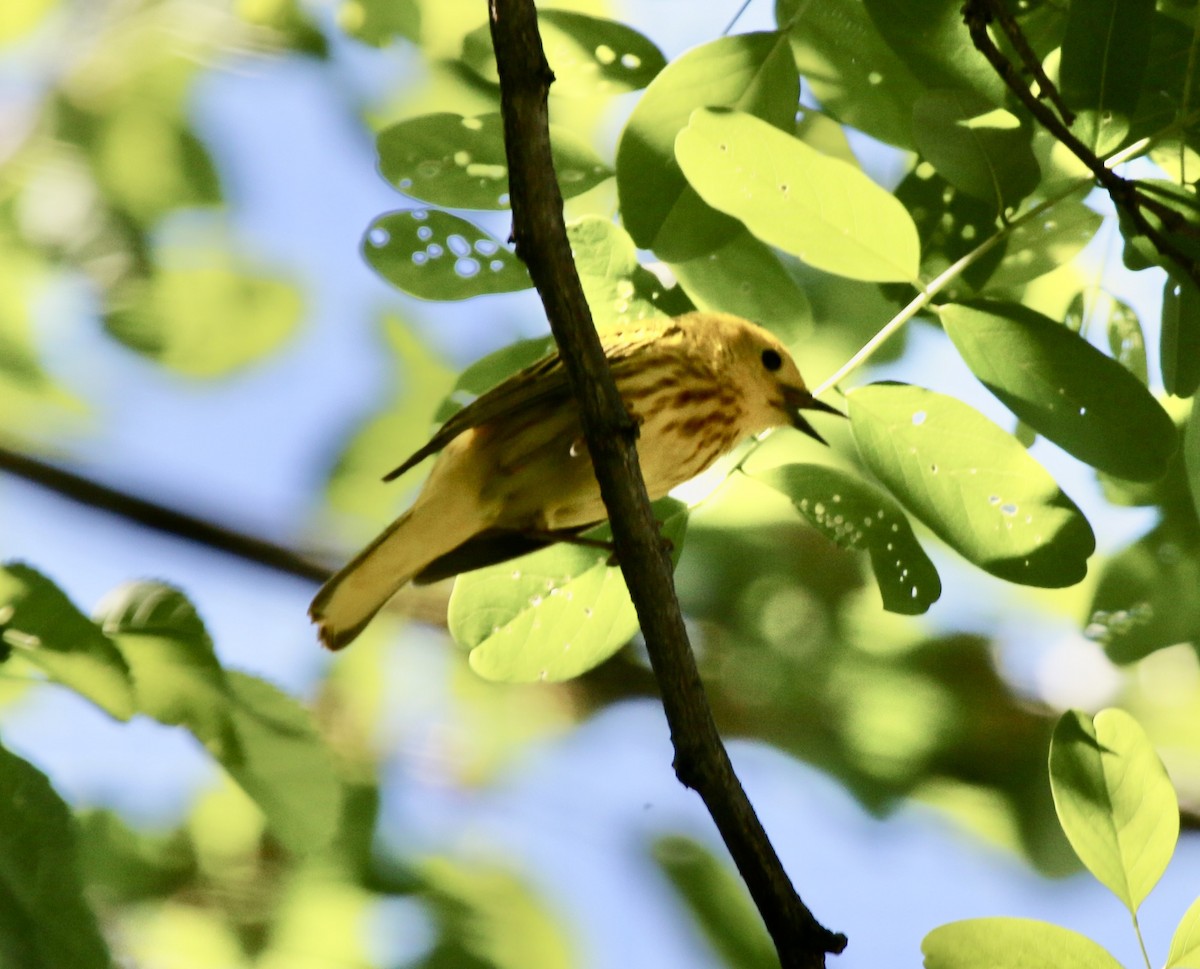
x=771 y=359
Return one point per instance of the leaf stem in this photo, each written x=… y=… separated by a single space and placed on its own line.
x=1137 y=930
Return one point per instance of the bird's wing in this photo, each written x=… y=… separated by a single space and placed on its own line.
x=543 y=383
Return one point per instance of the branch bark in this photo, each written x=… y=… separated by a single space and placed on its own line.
x=701 y=761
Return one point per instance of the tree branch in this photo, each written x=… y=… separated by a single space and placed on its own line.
x=701 y=761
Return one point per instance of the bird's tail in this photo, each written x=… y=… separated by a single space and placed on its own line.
x=351 y=598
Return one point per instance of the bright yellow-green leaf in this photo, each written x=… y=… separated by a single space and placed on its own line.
x=1185 y=946
x=1008 y=943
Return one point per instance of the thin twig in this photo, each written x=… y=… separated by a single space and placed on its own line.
x=701 y=761
x=1016 y=37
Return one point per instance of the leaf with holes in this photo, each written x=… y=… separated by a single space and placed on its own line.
x=552 y=615
x=460 y=162
x=432 y=254
x=857 y=515
x=977 y=147
x=1114 y=801
x=754 y=73
x=1010 y=943
x=588 y=55
x=789 y=195
x=1064 y=388
x=972 y=483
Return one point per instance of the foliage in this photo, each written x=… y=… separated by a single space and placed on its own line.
x=858 y=179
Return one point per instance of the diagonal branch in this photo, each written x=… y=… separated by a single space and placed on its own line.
x=701 y=761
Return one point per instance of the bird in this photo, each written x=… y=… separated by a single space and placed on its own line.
x=513 y=473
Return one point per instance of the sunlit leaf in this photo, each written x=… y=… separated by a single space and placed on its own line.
x=753 y=73
x=380 y=22
x=618 y=288
x=975 y=146
x=45 y=922
x=1064 y=388
x=588 y=55
x=1115 y=801
x=1185 y=946
x=435 y=255
x=852 y=71
x=1009 y=943
x=460 y=162
x=746 y=278
x=1126 y=341
x=857 y=515
x=39 y=623
x=1104 y=55
x=176 y=675
x=205 y=320
x=551 y=615
x=19 y=17
x=1037 y=246
x=1180 y=349
x=972 y=483
x=822 y=210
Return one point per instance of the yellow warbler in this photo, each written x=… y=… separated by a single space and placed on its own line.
x=514 y=472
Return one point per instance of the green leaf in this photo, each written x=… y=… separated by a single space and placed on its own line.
x=45 y=922
x=39 y=623
x=1185 y=946
x=551 y=615
x=460 y=162
x=1064 y=388
x=1126 y=341
x=1114 y=800
x=1191 y=456
x=20 y=17
x=1104 y=55
x=618 y=288
x=754 y=73
x=1037 y=246
x=204 y=320
x=850 y=68
x=972 y=483
x=718 y=902
x=821 y=209
x=975 y=146
x=746 y=278
x=432 y=254
x=283 y=764
x=588 y=55
x=380 y=22
x=857 y=515
x=176 y=676
x=1008 y=943
x=931 y=38
x=1180 y=349
x=1146 y=597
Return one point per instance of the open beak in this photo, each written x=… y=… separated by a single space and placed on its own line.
x=799 y=400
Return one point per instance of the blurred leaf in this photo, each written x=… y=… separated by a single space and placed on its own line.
x=434 y=255
x=1115 y=801
x=39 y=623
x=45 y=922
x=1064 y=388
x=719 y=902
x=746 y=278
x=618 y=288
x=177 y=678
x=588 y=55
x=931 y=38
x=487 y=918
x=379 y=22
x=753 y=73
x=1037 y=246
x=551 y=615
x=284 y=766
x=1180 y=349
x=789 y=195
x=970 y=482
x=1185 y=946
x=20 y=17
x=850 y=68
x=1104 y=55
x=123 y=865
x=975 y=146
x=1191 y=457
x=1008 y=943
x=460 y=162
x=207 y=320
x=857 y=515
x=289 y=21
